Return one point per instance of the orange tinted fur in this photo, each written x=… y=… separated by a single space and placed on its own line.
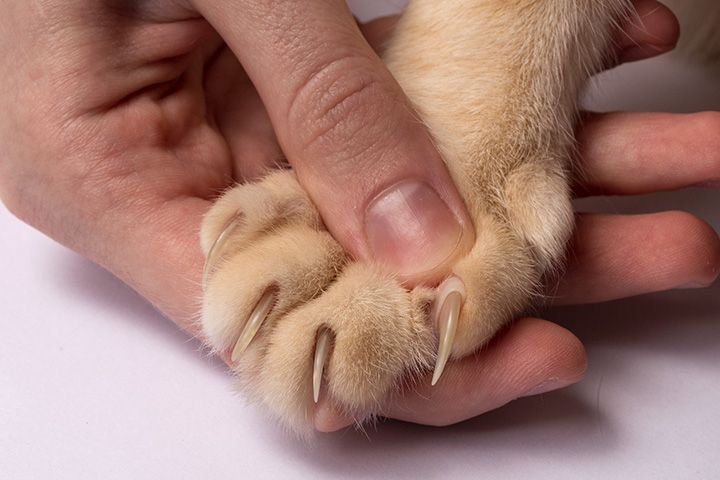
x=496 y=82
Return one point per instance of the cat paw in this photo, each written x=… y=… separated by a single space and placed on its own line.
x=295 y=318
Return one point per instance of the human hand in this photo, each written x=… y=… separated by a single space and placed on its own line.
x=124 y=119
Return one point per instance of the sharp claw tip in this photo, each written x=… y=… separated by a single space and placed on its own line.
x=316 y=394
x=257 y=317
x=439 y=368
x=321 y=351
x=447 y=321
x=237 y=352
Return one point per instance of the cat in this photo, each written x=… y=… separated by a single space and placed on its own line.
x=497 y=83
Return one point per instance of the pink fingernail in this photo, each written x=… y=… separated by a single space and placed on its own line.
x=410 y=228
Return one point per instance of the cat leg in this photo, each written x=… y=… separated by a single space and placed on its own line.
x=497 y=84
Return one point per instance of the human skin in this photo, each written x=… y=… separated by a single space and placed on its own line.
x=122 y=121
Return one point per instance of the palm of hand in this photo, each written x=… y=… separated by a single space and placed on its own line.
x=157 y=136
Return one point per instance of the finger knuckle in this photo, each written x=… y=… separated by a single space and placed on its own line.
x=338 y=106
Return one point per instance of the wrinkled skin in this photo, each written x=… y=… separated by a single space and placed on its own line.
x=122 y=121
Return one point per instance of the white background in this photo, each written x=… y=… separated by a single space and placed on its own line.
x=94 y=384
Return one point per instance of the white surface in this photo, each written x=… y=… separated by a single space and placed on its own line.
x=94 y=384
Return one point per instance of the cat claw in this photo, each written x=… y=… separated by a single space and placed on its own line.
x=451 y=299
x=321 y=353
x=217 y=246
x=257 y=317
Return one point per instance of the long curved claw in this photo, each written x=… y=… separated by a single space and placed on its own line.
x=218 y=245
x=447 y=321
x=257 y=317
x=321 y=353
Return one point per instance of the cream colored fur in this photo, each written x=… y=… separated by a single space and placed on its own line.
x=496 y=82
